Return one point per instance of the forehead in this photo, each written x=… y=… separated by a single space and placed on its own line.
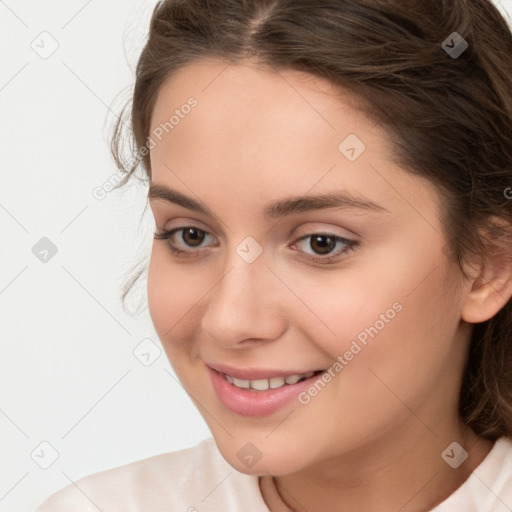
x=264 y=116
x=257 y=94
x=254 y=128
x=209 y=75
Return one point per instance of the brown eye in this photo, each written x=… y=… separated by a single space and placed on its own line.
x=322 y=244
x=183 y=241
x=193 y=236
x=325 y=247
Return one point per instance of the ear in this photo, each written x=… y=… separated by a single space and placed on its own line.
x=491 y=289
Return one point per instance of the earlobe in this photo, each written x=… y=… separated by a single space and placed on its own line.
x=492 y=288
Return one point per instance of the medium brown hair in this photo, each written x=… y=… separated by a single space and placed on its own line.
x=449 y=117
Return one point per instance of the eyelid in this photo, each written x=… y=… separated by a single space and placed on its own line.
x=326 y=228
x=184 y=222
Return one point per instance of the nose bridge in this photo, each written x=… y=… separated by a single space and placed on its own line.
x=245 y=267
x=240 y=287
x=240 y=306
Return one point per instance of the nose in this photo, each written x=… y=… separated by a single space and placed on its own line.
x=246 y=305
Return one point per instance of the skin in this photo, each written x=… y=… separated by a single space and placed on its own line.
x=372 y=439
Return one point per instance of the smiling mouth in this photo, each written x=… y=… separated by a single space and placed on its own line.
x=271 y=383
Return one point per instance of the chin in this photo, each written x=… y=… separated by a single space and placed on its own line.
x=273 y=460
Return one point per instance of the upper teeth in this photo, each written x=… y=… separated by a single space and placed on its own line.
x=263 y=384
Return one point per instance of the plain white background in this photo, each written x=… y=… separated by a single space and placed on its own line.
x=84 y=385
x=69 y=376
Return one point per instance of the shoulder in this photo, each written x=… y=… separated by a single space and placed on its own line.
x=185 y=480
x=489 y=487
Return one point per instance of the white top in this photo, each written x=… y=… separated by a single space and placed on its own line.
x=199 y=479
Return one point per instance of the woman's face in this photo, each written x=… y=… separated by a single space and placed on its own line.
x=264 y=290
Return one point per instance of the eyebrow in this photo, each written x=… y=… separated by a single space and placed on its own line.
x=277 y=209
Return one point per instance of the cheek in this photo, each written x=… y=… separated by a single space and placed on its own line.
x=399 y=318
x=332 y=308
x=172 y=295
x=407 y=354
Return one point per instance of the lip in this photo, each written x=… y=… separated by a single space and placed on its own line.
x=256 y=403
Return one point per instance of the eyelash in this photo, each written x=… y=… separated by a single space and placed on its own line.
x=350 y=245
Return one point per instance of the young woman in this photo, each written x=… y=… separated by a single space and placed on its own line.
x=331 y=275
